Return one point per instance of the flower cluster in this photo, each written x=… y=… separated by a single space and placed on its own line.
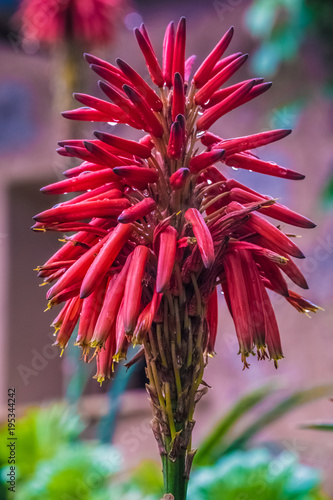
x=52 y=21
x=159 y=226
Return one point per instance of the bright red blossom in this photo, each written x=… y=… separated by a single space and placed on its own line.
x=158 y=228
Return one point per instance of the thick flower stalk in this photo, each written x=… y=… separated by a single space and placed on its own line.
x=159 y=227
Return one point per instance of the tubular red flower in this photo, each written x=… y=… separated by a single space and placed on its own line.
x=178 y=102
x=105 y=258
x=141 y=86
x=202 y=234
x=113 y=296
x=212 y=321
x=150 y=58
x=166 y=257
x=133 y=288
x=176 y=141
x=153 y=124
x=203 y=160
x=203 y=73
x=179 y=50
x=178 y=179
x=212 y=85
x=131 y=147
x=137 y=211
x=168 y=50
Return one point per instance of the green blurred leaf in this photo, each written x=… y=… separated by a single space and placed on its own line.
x=320 y=426
x=78 y=472
x=42 y=431
x=148 y=477
x=256 y=475
x=279 y=410
x=204 y=454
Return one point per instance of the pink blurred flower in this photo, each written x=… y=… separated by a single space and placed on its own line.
x=51 y=21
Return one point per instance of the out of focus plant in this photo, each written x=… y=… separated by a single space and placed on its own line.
x=283 y=28
x=52 y=461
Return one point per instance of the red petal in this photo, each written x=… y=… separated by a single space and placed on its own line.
x=166 y=257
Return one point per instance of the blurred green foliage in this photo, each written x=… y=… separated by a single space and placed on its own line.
x=283 y=28
x=50 y=460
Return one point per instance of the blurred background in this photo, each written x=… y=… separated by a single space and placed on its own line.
x=270 y=435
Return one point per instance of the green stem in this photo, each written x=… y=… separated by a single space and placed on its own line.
x=175 y=482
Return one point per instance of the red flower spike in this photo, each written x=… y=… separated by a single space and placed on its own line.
x=107 y=318
x=178 y=179
x=141 y=86
x=150 y=58
x=179 y=50
x=212 y=321
x=176 y=141
x=137 y=211
x=105 y=258
x=215 y=112
x=203 y=73
x=131 y=147
x=178 y=102
x=203 y=236
x=166 y=257
x=168 y=50
x=215 y=83
x=133 y=288
x=198 y=227
x=204 y=160
x=153 y=124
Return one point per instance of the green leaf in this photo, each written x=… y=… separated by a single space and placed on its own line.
x=322 y=426
x=205 y=453
x=148 y=477
x=287 y=405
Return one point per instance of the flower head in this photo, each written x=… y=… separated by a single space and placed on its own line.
x=159 y=225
